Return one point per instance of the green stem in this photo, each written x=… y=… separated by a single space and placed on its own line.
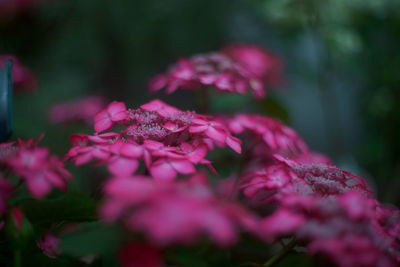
x=17 y=258
x=279 y=256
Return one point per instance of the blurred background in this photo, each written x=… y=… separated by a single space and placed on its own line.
x=341 y=58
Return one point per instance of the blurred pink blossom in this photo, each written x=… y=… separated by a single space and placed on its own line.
x=174 y=213
x=35 y=165
x=346 y=228
x=236 y=68
x=76 y=110
x=49 y=244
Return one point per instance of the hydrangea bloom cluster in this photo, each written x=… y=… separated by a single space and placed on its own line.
x=236 y=68
x=286 y=177
x=174 y=213
x=34 y=165
x=328 y=210
x=350 y=229
x=23 y=78
x=265 y=136
x=77 y=110
x=168 y=140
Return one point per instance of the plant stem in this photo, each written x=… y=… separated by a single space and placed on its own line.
x=17 y=258
x=284 y=251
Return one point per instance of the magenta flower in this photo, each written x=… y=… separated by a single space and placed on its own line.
x=35 y=166
x=49 y=244
x=257 y=61
x=104 y=120
x=336 y=228
x=237 y=68
x=169 y=141
x=265 y=136
x=287 y=177
x=171 y=213
x=23 y=78
x=77 y=110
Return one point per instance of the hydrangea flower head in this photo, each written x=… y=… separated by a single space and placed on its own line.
x=346 y=228
x=169 y=141
x=35 y=166
x=237 y=68
x=259 y=62
x=173 y=213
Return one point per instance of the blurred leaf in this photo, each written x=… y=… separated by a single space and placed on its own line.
x=188 y=257
x=70 y=207
x=273 y=108
x=93 y=238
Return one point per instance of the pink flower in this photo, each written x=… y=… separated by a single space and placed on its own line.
x=257 y=61
x=286 y=177
x=237 y=68
x=77 y=110
x=49 y=244
x=115 y=112
x=140 y=255
x=171 y=213
x=281 y=223
x=40 y=170
x=334 y=227
x=169 y=141
x=23 y=78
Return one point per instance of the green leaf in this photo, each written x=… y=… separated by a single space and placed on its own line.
x=187 y=257
x=72 y=207
x=93 y=238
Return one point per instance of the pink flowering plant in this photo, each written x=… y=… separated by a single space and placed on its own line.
x=177 y=187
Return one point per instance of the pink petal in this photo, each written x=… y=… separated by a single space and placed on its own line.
x=117 y=111
x=131 y=150
x=121 y=166
x=198 y=129
x=83 y=159
x=216 y=134
x=162 y=170
x=102 y=122
x=183 y=166
x=56 y=180
x=38 y=185
x=234 y=143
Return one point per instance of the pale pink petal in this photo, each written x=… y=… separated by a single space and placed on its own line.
x=198 y=129
x=117 y=111
x=234 y=143
x=162 y=170
x=131 y=150
x=102 y=121
x=216 y=134
x=182 y=166
x=121 y=166
x=38 y=185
